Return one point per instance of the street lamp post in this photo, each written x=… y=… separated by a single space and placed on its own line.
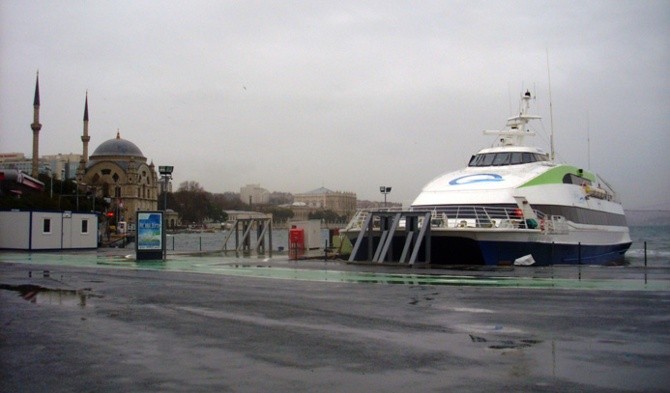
x=166 y=175
x=51 y=182
x=384 y=190
x=93 y=197
x=76 y=185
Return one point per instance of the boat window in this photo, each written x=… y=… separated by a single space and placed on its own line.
x=528 y=157
x=506 y=158
x=501 y=159
x=488 y=159
x=570 y=178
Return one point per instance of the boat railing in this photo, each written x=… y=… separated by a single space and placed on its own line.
x=477 y=216
x=555 y=224
x=474 y=216
x=359 y=217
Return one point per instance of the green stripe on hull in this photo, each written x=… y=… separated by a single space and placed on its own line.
x=555 y=176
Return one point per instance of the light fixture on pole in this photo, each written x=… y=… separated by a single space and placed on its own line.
x=384 y=190
x=166 y=175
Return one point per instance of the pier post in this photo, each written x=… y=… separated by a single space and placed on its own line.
x=579 y=259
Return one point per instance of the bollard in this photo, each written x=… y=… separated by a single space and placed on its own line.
x=200 y=243
x=645 y=253
x=579 y=259
x=551 y=260
x=579 y=253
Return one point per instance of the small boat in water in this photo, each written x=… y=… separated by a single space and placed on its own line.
x=512 y=204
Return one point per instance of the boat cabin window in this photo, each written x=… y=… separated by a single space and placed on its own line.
x=501 y=159
x=570 y=178
x=506 y=158
x=517 y=158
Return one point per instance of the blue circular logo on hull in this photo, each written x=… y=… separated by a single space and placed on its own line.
x=479 y=178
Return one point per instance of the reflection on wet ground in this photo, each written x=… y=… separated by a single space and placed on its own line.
x=559 y=277
x=518 y=329
x=508 y=343
x=37 y=294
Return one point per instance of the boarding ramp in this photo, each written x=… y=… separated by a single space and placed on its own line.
x=242 y=228
x=410 y=228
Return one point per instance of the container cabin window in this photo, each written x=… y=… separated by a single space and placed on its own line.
x=46 y=225
x=84 y=226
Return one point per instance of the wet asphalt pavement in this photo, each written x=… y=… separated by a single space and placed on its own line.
x=109 y=330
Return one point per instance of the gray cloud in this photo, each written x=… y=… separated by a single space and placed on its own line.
x=348 y=95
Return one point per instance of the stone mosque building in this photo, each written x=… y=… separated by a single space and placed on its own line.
x=117 y=171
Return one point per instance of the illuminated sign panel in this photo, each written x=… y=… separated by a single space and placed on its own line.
x=150 y=242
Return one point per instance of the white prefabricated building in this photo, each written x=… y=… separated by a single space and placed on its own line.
x=44 y=230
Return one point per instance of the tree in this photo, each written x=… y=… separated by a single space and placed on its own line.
x=326 y=215
x=216 y=213
x=279 y=214
x=191 y=205
x=190 y=185
x=228 y=201
x=195 y=205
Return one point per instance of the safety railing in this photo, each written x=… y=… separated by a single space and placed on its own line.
x=476 y=217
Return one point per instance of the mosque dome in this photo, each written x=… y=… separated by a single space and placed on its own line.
x=117 y=147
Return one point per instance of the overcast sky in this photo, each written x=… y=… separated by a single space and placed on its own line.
x=348 y=95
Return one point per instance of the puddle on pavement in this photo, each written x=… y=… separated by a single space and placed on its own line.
x=505 y=343
x=60 y=297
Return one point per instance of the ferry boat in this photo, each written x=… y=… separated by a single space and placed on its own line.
x=512 y=204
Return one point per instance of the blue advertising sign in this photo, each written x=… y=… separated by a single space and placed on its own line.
x=150 y=236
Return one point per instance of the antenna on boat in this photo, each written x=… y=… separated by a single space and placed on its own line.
x=551 y=114
x=588 y=139
x=516 y=130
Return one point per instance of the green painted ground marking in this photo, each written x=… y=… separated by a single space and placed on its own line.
x=258 y=268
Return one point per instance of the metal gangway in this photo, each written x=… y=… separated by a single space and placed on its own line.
x=244 y=227
x=410 y=227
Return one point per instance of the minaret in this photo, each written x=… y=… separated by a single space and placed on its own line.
x=36 y=127
x=85 y=138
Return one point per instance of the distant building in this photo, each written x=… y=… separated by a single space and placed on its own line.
x=342 y=203
x=19 y=162
x=16 y=161
x=12 y=157
x=254 y=194
x=62 y=166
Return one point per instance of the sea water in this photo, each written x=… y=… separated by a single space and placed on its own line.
x=657 y=238
x=205 y=241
